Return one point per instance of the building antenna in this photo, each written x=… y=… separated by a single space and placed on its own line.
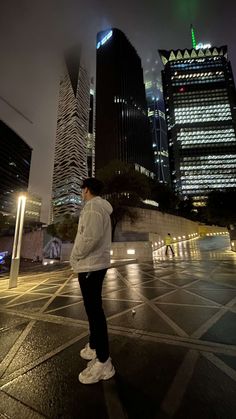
x=194 y=43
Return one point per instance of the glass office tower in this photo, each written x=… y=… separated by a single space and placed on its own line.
x=122 y=126
x=156 y=115
x=91 y=134
x=199 y=94
x=70 y=162
x=15 y=159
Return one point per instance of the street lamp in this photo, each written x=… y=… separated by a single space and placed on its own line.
x=15 y=260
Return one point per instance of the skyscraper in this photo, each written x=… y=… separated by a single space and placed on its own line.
x=156 y=115
x=15 y=159
x=33 y=207
x=200 y=103
x=70 y=165
x=91 y=134
x=122 y=126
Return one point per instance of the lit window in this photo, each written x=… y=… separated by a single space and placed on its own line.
x=130 y=252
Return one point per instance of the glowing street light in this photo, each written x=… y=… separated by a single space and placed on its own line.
x=15 y=260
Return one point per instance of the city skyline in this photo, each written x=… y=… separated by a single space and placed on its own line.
x=199 y=95
x=35 y=38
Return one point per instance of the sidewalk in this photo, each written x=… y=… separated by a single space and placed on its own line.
x=175 y=357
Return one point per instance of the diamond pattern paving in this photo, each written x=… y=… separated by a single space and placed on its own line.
x=25 y=298
x=9 y=337
x=228 y=360
x=46 y=290
x=43 y=338
x=123 y=294
x=32 y=306
x=60 y=301
x=222 y=296
x=188 y=318
x=184 y=297
x=151 y=292
x=158 y=283
x=210 y=400
x=8 y=320
x=144 y=318
x=223 y=331
x=154 y=311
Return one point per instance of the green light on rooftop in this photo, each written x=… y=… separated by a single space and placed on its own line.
x=194 y=42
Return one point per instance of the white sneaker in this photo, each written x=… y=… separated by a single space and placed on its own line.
x=89 y=365
x=97 y=371
x=88 y=353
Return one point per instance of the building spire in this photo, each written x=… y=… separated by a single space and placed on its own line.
x=194 y=43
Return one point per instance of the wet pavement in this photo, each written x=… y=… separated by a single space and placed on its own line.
x=172 y=328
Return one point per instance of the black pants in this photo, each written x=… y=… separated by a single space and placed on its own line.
x=169 y=246
x=91 y=288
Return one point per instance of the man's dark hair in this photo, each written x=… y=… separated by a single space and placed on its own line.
x=94 y=185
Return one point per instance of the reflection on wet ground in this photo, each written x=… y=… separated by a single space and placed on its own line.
x=211 y=248
x=172 y=328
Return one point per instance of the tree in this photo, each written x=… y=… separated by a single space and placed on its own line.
x=125 y=189
x=121 y=178
x=185 y=207
x=66 y=229
x=220 y=208
x=165 y=197
x=52 y=230
x=120 y=212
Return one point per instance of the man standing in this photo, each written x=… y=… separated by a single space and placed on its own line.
x=90 y=258
x=168 y=242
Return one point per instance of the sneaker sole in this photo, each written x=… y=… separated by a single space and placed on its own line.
x=83 y=380
x=87 y=358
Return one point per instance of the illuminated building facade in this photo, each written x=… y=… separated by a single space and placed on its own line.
x=70 y=165
x=15 y=159
x=33 y=207
x=199 y=94
x=91 y=135
x=156 y=115
x=122 y=126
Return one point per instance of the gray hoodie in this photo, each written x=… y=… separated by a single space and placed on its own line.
x=91 y=251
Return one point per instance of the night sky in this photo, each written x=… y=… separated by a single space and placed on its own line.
x=33 y=36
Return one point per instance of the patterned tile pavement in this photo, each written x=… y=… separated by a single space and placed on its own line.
x=172 y=327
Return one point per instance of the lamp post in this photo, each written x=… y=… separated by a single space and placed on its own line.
x=15 y=260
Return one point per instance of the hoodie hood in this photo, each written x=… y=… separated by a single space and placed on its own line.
x=98 y=202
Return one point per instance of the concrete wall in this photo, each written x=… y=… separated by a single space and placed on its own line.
x=32 y=244
x=66 y=249
x=232 y=234
x=146 y=234
x=141 y=251
x=158 y=224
